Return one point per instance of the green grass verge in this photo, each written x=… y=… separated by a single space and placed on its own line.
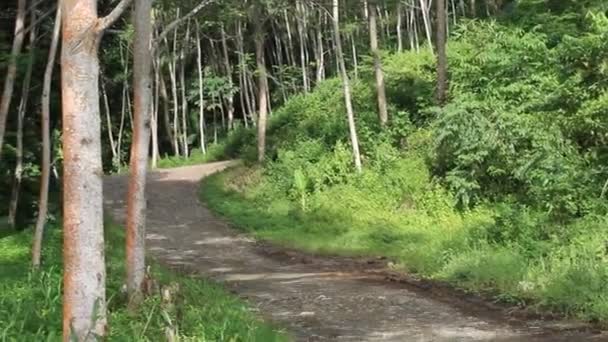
x=30 y=302
x=565 y=274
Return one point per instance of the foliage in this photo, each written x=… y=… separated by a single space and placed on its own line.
x=497 y=192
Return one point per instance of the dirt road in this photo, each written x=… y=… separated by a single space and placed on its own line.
x=313 y=298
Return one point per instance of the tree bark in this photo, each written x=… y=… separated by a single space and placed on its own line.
x=25 y=90
x=262 y=92
x=84 y=297
x=11 y=73
x=301 y=36
x=184 y=86
x=138 y=168
x=380 y=87
x=399 y=27
x=173 y=79
x=46 y=143
x=442 y=60
x=320 y=50
x=166 y=112
x=154 y=121
x=426 y=18
x=346 y=85
x=201 y=98
x=230 y=96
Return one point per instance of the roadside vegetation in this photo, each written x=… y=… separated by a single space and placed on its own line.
x=197 y=310
x=502 y=191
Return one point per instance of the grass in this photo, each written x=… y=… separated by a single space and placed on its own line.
x=565 y=274
x=30 y=302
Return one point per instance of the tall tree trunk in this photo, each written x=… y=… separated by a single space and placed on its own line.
x=25 y=90
x=399 y=26
x=173 y=79
x=154 y=119
x=426 y=18
x=45 y=174
x=320 y=50
x=262 y=91
x=138 y=168
x=11 y=73
x=301 y=36
x=289 y=39
x=346 y=84
x=442 y=60
x=106 y=105
x=182 y=79
x=473 y=5
x=415 y=29
x=355 y=55
x=166 y=113
x=230 y=96
x=380 y=87
x=84 y=297
x=201 y=98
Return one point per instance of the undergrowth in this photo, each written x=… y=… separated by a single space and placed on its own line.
x=502 y=191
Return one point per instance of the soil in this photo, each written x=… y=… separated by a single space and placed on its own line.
x=318 y=298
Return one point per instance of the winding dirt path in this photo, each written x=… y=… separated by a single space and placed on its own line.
x=313 y=298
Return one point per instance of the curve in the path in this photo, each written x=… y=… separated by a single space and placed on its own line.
x=313 y=300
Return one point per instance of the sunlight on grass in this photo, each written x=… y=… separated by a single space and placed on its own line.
x=30 y=302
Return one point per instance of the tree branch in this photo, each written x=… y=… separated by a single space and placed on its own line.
x=109 y=19
x=173 y=25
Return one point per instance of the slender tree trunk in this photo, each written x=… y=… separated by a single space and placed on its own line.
x=415 y=29
x=182 y=79
x=25 y=90
x=230 y=96
x=123 y=114
x=201 y=98
x=346 y=84
x=11 y=74
x=262 y=91
x=46 y=143
x=426 y=18
x=173 y=79
x=355 y=57
x=155 y=109
x=252 y=96
x=473 y=5
x=320 y=51
x=380 y=88
x=442 y=60
x=399 y=26
x=106 y=105
x=289 y=39
x=136 y=198
x=166 y=113
x=301 y=36
x=84 y=297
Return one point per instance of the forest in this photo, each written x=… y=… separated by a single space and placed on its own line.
x=464 y=142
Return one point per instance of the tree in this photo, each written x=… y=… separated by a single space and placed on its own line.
x=346 y=87
x=9 y=81
x=25 y=92
x=380 y=87
x=84 y=307
x=136 y=198
x=442 y=60
x=46 y=142
x=262 y=83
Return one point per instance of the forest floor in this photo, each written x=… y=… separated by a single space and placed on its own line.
x=315 y=298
